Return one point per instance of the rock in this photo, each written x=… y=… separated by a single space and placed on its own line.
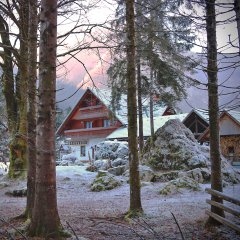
x=111 y=150
x=102 y=164
x=174 y=148
x=17 y=193
x=117 y=171
x=4 y=184
x=118 y=162
x=166 y=176
x=198 y=161
x=104 y=181
x=175 y=186
x=146 y=174
x=122 y=151
x=195 y=174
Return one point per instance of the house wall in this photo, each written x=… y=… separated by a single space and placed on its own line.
x=228 y=127
x=228 y=142
x=90 y=143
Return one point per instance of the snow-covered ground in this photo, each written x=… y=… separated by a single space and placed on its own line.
x=99 y=215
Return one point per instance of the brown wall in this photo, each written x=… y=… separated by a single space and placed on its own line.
x=227 y=142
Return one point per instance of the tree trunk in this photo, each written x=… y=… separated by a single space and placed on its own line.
x=8 y=78
x=140 y=115
x=151 y=105
x=45 y=219
x=237 y=11
x=135 y=189
x=31 y=114
x=216 y=180
x=16 y=103
x=139 y=81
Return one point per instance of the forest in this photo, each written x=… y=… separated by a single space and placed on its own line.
x=165 y=185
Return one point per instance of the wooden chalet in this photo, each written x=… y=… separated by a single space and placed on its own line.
x=229 y=124
x=89 y=123
x=92 y=121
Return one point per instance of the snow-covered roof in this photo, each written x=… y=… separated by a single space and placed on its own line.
x=200 y=112
x=105 y=96
x=235 y=115
x=159 y=121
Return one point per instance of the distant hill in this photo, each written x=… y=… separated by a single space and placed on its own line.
x=229 y=89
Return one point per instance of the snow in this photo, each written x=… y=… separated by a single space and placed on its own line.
x=159 y=121
x=98 y=215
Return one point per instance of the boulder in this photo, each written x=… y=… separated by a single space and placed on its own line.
x=111 y=150
x=105 y=181
x=117 y=171
x=146 y=174
x=195 y=174
x=102 y=164
x=175 y=186
x=174 y=148
x=166 y=176
x=118 y=162
x=17 y=193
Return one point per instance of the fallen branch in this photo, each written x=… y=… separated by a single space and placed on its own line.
x=72 y=230
x=9 y=224
x=178 y=226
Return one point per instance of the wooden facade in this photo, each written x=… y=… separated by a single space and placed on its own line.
x=89 y=122
x=197 y=122
x=229 y=124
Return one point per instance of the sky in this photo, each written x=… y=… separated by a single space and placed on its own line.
x=74 y=75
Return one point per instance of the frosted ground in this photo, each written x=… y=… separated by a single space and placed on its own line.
x=99 y=215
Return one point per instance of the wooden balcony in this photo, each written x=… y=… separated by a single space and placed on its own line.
x=96 y=129
x=91 y=114
x=89 y=133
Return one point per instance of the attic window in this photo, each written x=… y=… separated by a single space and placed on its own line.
x=98 y=102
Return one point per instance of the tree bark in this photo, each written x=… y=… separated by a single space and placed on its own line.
x=135 y=189
x=212 y=70
x=45 y=219
x=31 y=114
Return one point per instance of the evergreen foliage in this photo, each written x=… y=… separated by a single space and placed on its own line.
x=162 y=37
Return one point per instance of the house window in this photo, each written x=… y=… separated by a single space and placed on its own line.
x=89 y=124
x=231 y=150
x=106 y=123
x=83 y=151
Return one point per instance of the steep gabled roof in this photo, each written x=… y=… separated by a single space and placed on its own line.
x=233 y=115
x=203 y=114
x=75 y=108
x=104 y=95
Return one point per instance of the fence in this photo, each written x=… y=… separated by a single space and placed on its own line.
x=228 y=209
